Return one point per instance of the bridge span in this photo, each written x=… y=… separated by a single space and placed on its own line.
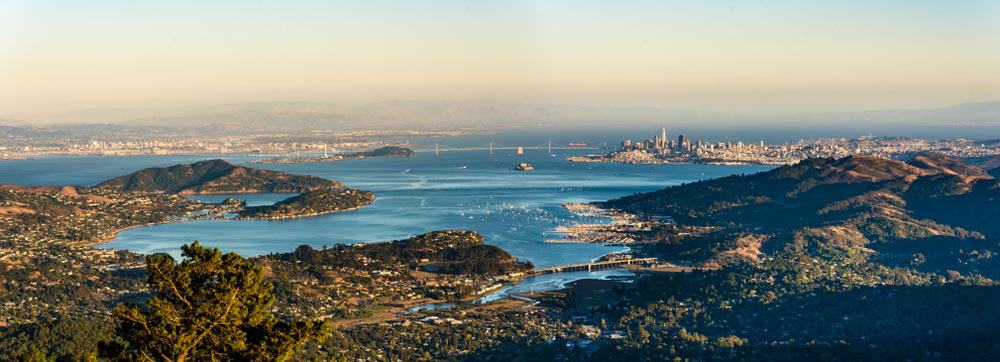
x=597 y=265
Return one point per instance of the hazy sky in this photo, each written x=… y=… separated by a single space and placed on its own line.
x=58 y=56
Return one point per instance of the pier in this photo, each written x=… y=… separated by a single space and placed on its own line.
x=597 y=265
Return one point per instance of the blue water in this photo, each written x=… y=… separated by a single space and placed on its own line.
x=251 y=199
x=470 y=190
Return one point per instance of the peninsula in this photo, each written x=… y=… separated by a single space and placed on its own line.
x=376 y=281
x=33 y=216
x=311 y=203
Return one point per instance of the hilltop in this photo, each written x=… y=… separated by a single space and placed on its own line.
x=384 y=152
x=366 y=280
x=869 y=205
x=387 y=151
x=215 y=177
x=311 y=203
x=443 y=251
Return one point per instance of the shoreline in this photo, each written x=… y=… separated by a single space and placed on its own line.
x=314 y=214
x=606 y=159
x=611 y=233
x=114 y=233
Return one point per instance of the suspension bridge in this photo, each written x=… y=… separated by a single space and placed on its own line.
x=496 y=147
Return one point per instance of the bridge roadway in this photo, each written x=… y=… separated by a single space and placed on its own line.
x=498 y=148
x=598 y=265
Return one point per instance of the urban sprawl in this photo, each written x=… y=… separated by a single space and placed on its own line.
x=662 y=149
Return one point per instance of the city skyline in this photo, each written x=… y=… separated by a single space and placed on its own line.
x=60 y=57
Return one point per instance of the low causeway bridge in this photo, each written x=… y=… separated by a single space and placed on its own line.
x=597 y=265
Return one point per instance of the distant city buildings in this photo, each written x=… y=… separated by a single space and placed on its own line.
x=660 y=149
x=662 y=146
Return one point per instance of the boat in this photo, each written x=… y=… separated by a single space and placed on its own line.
x=524 y=167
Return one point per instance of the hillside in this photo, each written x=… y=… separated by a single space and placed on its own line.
x=930 y=205
x=311 y=203
x=387 y=151
x=444 y=251
x=856 y=258
x=214 y=177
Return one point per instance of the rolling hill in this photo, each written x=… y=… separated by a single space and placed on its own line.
x=931 y=205
x=215 y=177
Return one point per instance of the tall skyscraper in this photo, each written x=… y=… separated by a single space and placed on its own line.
x=680 y=141
x=663 y=137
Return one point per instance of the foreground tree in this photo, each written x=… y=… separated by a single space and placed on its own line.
x=210 y=307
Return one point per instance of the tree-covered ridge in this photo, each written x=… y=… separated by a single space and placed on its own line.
x=348 y=283
x=215 y=177
x=853 y=258
x=885 y=197
x=311 y=203
x=445 y=251
x=387 y=151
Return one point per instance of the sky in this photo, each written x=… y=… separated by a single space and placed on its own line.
x=751 y=56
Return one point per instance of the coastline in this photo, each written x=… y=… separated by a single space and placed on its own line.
x=615 y=232
x=290 y=217
x=711 y=162
x=114 y=234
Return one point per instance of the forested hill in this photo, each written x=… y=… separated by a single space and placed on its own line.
x=445 y=251
x=931 y=205
x=387 y=151
x=311 y=203
x=817 y=192
x=215 y=177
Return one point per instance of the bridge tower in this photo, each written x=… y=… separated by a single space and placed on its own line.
x=550 y=147
x=491 y=148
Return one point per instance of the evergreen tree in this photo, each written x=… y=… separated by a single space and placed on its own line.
x=210 y=307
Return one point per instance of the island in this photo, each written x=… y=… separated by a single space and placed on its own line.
x=382 y=152
x=214 y=177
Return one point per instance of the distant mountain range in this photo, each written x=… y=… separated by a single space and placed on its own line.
x=399 y=114
x=492 y=114
x=973 y=113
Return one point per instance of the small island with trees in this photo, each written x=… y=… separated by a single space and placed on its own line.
x=382 y=152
